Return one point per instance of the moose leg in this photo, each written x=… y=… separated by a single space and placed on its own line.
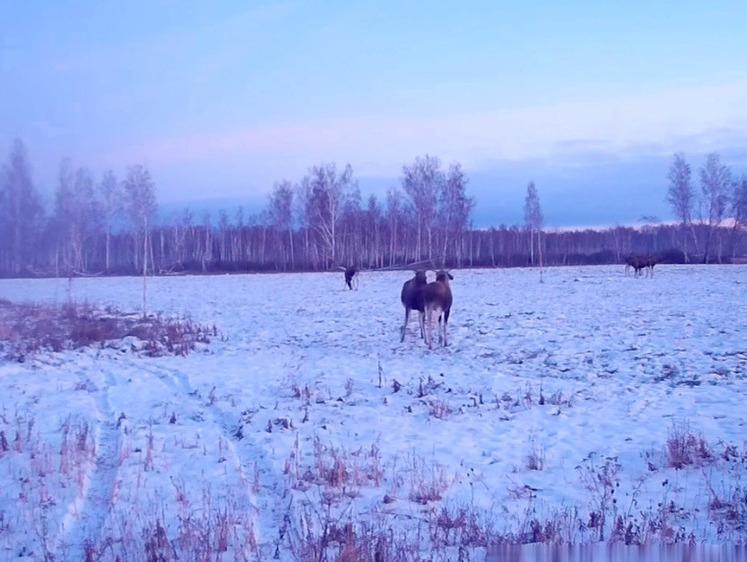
x=404 y=327
x=428 y=327
x=446 y=328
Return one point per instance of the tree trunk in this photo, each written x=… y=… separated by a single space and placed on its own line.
x=539 y=248
x=531 y=246
x=108 y=241
x=145 y=268
x=292 y=256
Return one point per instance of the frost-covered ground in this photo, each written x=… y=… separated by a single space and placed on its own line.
x=591 y=406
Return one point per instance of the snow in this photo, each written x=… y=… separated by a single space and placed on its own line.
x=588 y=369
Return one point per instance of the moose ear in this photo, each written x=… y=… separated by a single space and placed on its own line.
x=450 y=276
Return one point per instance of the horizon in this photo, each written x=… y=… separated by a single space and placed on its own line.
x=589 y=102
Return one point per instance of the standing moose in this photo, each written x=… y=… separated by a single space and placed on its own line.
x=639 y=263
x=438 y=299
x=412 y=298
x=351 y=277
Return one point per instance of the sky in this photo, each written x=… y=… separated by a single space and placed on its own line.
x=221 y=99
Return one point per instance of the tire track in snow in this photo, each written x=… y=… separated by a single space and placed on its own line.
x=270 y=500
x=269 y=503
x=273 y=498
x=84 y=523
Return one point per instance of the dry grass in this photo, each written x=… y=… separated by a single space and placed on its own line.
x=428 y=482
x=340 y=473
x=685 y=447
x=535 y=459
x=439 y=409
x=28 y=329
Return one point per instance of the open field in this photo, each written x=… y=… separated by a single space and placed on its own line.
x=591 y=407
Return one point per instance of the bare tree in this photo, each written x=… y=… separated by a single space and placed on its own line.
x=78 y=216
x=394 y=213
x=373 y=222
x=681 y=196
x=325 y=188
x=66 y=217
x=715 y=182
x=141 y=204
x=90 y=215
x=111 y=196
x=422 y=182
x=183 y=235
x=223 y=240
x=281 y=211
x=305 y=218
x=739 y=211
x=206 y=241
x=533 y=219
x=20 y=210
x=351 y=229
x=455 y=208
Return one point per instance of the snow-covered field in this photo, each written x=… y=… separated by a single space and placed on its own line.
x=592 y=406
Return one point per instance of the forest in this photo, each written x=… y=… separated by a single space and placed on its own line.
x=111 y=226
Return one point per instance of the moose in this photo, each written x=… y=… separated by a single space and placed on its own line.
x=640 y=263
x=351 y=277
x=438 y=299
x=412 y=298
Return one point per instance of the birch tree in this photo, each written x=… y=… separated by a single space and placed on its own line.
x=65 y=217
x=533 y=219
x=422 y=182
x=394 y=214
x=373 y=225
x=141 y=203
x=21 y=210
x=281 y=211
x=681 y=196
x=110 y=193
x=455 y=208
x=715 y=182
x=351 y=229
x=738 y=211
x=78 y=218
x=326 y=187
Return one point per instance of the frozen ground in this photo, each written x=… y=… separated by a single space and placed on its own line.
x=592 y=406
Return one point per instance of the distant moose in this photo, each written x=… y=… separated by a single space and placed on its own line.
x=640 y=264
x=351 y=278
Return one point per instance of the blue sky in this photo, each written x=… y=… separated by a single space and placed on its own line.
x=221 y=99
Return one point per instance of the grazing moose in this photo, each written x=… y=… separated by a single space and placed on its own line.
x=351 y=277
x=649 y=263
x=438 y=301
x=413 y=299
x=639 y=263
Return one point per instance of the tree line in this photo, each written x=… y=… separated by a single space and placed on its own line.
x=109 y=225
